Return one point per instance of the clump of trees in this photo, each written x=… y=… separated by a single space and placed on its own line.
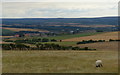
x=8 y=40
x=16 y=46
x=32 y=41
x=53 y=40
x=40 y=46
x=90 y=41
x=110 y=40
x=94 y=41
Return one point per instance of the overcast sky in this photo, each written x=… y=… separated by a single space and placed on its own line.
x=58 y=8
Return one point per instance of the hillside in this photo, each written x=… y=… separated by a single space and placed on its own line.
x=49 y=21
x=104 y=36
x=63 y=24
x=104 y=46
x=23 y=29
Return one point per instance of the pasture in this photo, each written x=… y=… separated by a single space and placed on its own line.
x=103 y=36
x=60 y=37
x=66 y=61
x=67 y=36
x=102 y=46
x=59 y=61
x=23 y=29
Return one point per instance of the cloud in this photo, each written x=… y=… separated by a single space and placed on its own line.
x=58 y=9
x=61 y=1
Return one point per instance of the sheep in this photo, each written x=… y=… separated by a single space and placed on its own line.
x=99 y=63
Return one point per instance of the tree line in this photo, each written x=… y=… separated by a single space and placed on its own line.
x=110 y=40
x=94 y=41
x=32 y=41
x=40 y=46
x=17 y=46
x=90 y=41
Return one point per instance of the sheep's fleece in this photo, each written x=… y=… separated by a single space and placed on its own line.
x=98 y=62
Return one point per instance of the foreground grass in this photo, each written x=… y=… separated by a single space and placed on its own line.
x=58 y=61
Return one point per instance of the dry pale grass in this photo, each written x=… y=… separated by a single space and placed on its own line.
x=0 y=61
x=103 y=46
x=1 y=37
x=24 y=29
x=104 y=36
x=6 y=36
x=86 y=25
x=2 y=42
x=59 y=61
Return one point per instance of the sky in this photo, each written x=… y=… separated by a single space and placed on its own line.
x=59 y=8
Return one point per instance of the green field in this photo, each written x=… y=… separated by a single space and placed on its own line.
x=73 y=36
x=66 y=36
x=59 y=61
x=63 y=43
x=6 y=32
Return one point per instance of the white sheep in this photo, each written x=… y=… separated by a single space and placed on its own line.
x=98 y=63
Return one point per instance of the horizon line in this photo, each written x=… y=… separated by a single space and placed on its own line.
x=51 y=17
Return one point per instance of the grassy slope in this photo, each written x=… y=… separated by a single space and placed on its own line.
x=69 y=43
x=24 y=29
x=73 y=36
x=104 y=36
x=102 y=46
x=58 y=61
x=63 y=43
x=61 y=37
x=7 y=32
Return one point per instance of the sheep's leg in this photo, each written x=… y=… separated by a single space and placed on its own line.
x=96 y=66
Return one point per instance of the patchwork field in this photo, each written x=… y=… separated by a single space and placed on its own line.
x=103 y=36
x=69 y=36
x=73 y=25
x=6 y=36
x=24 y=29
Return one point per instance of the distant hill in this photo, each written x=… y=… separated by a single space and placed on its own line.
x=63 y=24
x=62 y=21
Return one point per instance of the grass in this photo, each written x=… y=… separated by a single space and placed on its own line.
x=59 y=61
x=23 y=29
x=102 y=46
x=7 y=32
x=103 y=36
x=73 y=36
x=63 y=61
x=65 y=36
x=61 y=37
x=63 y=43
x=60 y=43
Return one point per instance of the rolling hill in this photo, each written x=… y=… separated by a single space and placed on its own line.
x=62 y=21
x=104 y=36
